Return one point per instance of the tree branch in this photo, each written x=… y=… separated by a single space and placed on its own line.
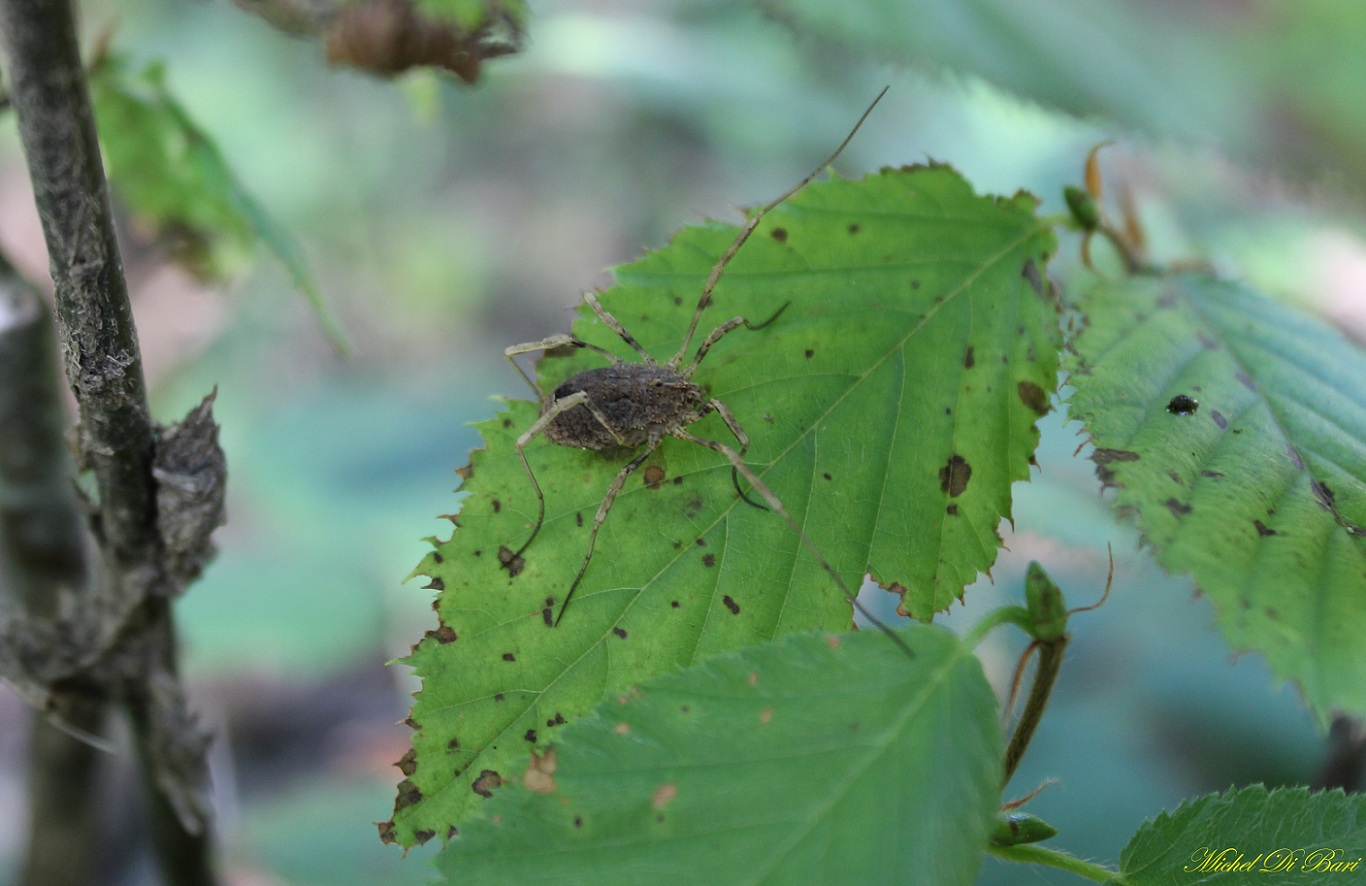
x=128 y=602
x=43 y=565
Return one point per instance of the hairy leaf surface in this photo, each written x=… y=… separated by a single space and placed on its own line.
x=815 y=759
x=1286 y=836
x=890 y=407
x=1260 y=492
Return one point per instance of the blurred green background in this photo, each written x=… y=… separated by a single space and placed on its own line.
x=445 y=221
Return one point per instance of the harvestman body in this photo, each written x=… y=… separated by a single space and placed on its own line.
x=627 y=406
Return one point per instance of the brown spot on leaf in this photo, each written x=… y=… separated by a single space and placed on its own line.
x=548 y=616
x=444 y=634
x=1106 y=456
x=486 y=783
x=435 y=584
x=1031 y=273
x=654 y=476
x=709 y=560
x=408 y=795
x=453 y=744
x=557 y=720
x=423 y=835
x=853 y=227
x=1180 y=509
x=954 y=475
x=664 y=795
x=386 y=833
x=622 y=729
x=1262 y=529
x=810 y=353
x=512 y=563
x=407 y=764
x=508 y=656
x=1218 y=418
x=675 y=604
x=620 y=632
x=1213 y=475
x=539 y=777
x=826 y=475
x=951 y=510
x=1295 y=458
x=578 y=821
x=765 y=716
x=578 y=519
x=779 y=234
x=1245 y=381
x=498 y=696
x=497 y=506
x=731 y=604
x=1033 y=396
x=970 y=357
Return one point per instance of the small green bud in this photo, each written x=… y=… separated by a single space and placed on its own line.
x=1083 y=207
x=1046 y=606
x=1015 y=828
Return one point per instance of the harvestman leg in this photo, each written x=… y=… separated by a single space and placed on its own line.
x=601 y=516
x=774 y=504
x=720 y=332
x=549 y=344
x=715 y=276
x=740 y=437
x=552 y=409
x=556 y=409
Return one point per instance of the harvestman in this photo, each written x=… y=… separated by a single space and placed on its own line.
x=626 y=406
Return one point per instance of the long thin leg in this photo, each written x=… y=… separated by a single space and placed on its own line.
x=557 y=408
x=549 y=344
x=740 y=437
x=716 y=335
x=615 y=325
x=774 y=504
x=617 y=483
x=748 y=229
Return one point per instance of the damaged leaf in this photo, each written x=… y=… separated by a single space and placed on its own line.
x=890 y=407
x=1260 y=493
x=815 y=759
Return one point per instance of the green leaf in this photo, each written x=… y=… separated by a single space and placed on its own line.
x=1286 y=837
x=1100 y=58
x=890 y=408
x=176 y=184
x=1259 y=493
x=815 y=759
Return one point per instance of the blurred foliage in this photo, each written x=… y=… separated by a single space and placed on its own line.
x=801 y=761
x=172 y=178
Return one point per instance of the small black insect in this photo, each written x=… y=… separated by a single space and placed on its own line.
x=1183 y=404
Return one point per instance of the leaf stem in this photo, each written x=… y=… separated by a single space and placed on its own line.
x=1034 y=854
x=1045 y=675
